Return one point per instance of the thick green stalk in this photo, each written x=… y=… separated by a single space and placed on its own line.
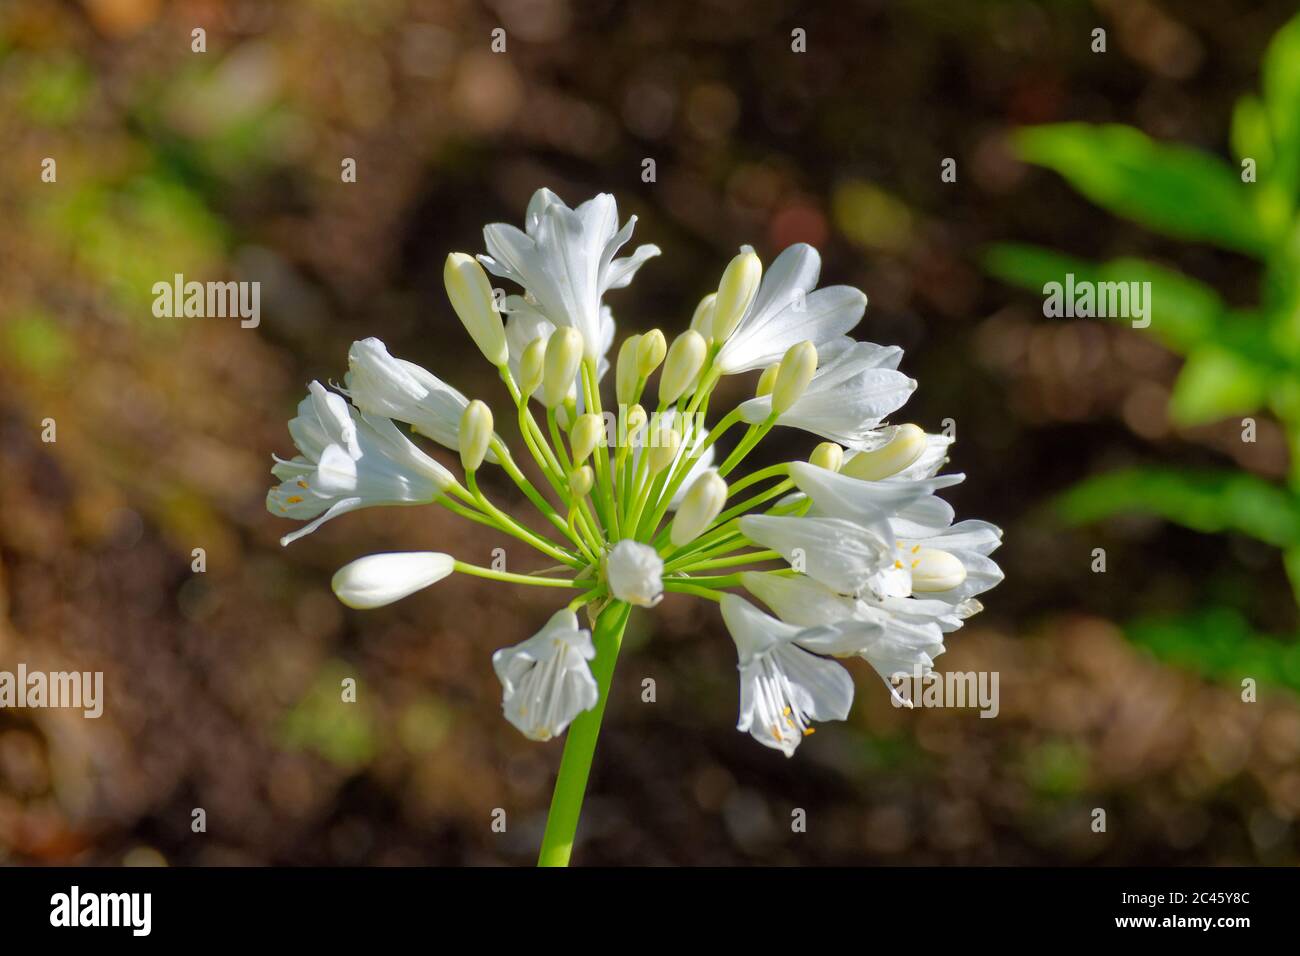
x=580 y=744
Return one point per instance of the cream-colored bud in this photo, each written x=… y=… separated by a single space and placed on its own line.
x=650 y=352
x=827 y=455
x=470 y=293
x=531 y=366
x=588 y=432
x=625 y=373
x=702 y=503
x=581 y=480
x=935 y=570
x=797 y=368
x=563 y=356
x=902 y=450
x=475 y=434
x=666 y=440
x=636 y=419
x=767 y=380
x=682 y=366
x=702 y=320
x=736 y=291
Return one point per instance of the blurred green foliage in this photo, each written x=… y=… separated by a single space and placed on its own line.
x=1238 y=362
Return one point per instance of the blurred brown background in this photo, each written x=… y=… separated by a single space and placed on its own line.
x=222 y=687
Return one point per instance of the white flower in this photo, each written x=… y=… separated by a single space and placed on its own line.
x=891 y=634
x=844 y=555
x=381 y=385
x=525 y=324
x=782 y=686
x=565 y=259
x=546 y=680
x=635 y=573
x=787 y=311
x=854 y=388
x=380 y=579
x=348 y=461
x=839 y=496
x=879 y=567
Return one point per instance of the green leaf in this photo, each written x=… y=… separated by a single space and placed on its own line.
x=1252 y=136
x=1184 y=312
x=1183 y=192
x=1208 y=501
x=1280 y=75
x=1219 y=644
x=1215 y=383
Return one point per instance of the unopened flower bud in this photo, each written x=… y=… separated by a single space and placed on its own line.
x=563 y=356
x=827 y=455
x=471 y=296
x=380 y=579
x=903 y=449
x=588 y=432
x=702 y=320
x=736 y=291
x=935 y=570
x=663 y=449
x=682 y=366
x=767 y=380
x=581 y=480
x=650 y=351
x=625 y=373
x=475 y=433
x=636 y=419
x=702 y=503
x=797 y=368
x=531 y=366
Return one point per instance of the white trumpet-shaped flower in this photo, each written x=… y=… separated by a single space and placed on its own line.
x=854 y=388
x=381 y=385
x=635 y=572
x=893 y=635
x=348 y=461
x=783 y=687
x=565 y=259
x=546 y=680
x=786 y=311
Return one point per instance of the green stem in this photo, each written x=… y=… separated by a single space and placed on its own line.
x=580 y=743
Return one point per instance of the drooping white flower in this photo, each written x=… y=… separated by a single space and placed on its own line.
x=892 y=634
x=565 y=259
x=635 y=573
x=783 y=687
x=348 y=461
x=853 y=389
x=381 y=385
x=380 y=579
x=787 y=311
x=546 y=680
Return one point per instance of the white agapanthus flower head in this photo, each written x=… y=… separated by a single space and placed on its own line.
x=853 y=551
